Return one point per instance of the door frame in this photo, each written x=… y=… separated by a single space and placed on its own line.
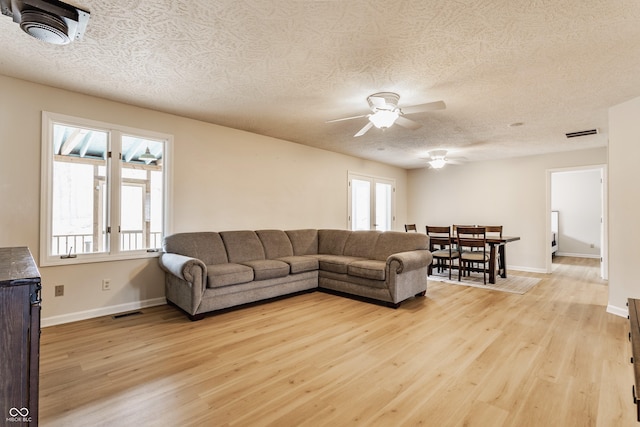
x=604 y=223
x=373 y=180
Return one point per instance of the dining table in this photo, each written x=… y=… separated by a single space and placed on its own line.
x=497 y=246
x=497 y=255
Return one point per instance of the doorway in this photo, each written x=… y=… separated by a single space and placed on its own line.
x=577 y=198
x=371 y=202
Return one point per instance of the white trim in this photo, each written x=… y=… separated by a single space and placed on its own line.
x=595 y=256
x=526 y=269
x=373 y=180
x=618 y=311
x=48 y=120
x=102 y=311
x=604 y=244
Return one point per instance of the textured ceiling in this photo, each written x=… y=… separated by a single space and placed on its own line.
x=284 y=67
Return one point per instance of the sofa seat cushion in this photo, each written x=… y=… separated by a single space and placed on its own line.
x=368 y=269
x=300 y=264
x=336 y=263
x=264 y=269
x=227 y=274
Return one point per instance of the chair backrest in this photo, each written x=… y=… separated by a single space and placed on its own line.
x=438 y=236
x=493 y=230
x=410 y=227
x=471 y=237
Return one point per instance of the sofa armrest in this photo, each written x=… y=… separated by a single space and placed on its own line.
x=408 y=261
x=184 y=267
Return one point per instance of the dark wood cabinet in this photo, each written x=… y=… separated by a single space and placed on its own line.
x=19 y=337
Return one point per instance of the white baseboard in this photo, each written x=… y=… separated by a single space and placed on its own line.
x=102 y=311
x=618 y=311
x=526 y=269
x=578 y=255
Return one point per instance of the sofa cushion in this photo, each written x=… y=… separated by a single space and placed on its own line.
x=332 y=241
x=264 y=269
x=276 y=243
x=336 y=263
x=368 y=269
x=304 y=242
x=361 y=243
x=206 y=246
x=220 y=275
x=242 y=246
x=391 y=242
x=300 y=264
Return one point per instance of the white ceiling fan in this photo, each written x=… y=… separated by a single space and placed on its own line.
x=436 y=159
x=386 y=112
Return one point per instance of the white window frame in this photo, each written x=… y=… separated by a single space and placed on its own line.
x=113 y=190
x=373 y=180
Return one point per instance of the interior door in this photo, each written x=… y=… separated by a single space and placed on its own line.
x=371 y=203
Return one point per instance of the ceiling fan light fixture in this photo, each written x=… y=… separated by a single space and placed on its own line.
x=383 y=119
x=147 y=157
x=438 y=163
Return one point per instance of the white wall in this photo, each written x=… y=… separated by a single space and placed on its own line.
x=624 y=204
x=508 y=192
x=223 y=179
x=577 y=196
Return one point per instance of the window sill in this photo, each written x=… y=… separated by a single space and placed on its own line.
x=96 y=258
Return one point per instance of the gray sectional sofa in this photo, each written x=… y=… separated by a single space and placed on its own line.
x=209 y=271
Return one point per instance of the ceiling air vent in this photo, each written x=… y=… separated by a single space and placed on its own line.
x=51 y=21
x=582 y=133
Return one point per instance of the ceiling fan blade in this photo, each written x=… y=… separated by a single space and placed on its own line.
x=406 y=123
x=421 y=108
x=347 y=118
x=364 y=129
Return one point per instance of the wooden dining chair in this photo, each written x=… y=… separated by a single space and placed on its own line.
x=472 y=244
x=442 y=248
x=410 y=227
x=494 y=231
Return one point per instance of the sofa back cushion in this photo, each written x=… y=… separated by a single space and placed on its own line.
x=332 y=241
x=361 y=243
x=242 y=245
x=391 y=242
x=304 y=242
x=207 y=246
x=276 y=243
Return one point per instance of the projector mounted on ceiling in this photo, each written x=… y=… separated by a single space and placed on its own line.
x=51 y=21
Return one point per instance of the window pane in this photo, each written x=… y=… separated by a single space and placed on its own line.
x=360 y=204
x=141 y=193
x=383 y=206
x=78 y=207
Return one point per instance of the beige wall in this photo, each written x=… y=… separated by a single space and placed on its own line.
x=509 y=192
x=223 y=179
x=624 y=204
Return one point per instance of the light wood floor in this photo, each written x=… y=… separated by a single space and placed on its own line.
x=459 y=357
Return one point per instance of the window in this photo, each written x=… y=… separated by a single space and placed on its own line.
x=104 y=191
x=371 y=203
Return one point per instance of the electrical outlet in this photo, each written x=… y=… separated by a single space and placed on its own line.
x=106 y=284
x=59 y=290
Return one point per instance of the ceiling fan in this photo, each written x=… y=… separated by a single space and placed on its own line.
x=386 y=112
x=438 y=158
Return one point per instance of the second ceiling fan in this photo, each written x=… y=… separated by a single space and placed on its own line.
x=386 y=112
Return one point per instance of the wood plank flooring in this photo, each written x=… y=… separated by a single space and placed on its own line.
x=460 y=356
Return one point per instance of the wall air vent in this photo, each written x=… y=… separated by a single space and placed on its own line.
x=51 y=21
x=582 y=133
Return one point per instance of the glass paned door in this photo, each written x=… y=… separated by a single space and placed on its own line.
x=371 y=203
x=360 y=204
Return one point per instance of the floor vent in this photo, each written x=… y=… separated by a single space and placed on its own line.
x=131 y=313
x=582 y=133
